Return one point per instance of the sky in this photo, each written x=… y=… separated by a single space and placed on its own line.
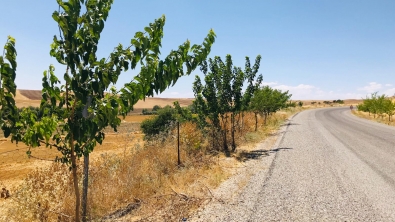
x=316 y=49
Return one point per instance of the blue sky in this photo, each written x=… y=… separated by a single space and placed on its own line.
x=316 y=49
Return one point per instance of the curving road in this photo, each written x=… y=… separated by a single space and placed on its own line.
x=330 y=166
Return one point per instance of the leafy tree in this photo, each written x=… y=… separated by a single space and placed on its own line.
x=339 y=101
x=183 y=114
x=192 y=108
x=254 y=83
x=267 y=101
x=76 y=113
x=327 y=102
x=156 y=108
x=388 y=108
x=300 y=103
x=222 y=95
x=378 y=105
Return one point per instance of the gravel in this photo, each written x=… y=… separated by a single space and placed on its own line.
x=327 y=165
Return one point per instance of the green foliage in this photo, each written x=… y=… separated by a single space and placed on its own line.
x=192 y=108
x=300 y=103
x=147 y=112
x=156 y=108
x=222 y=93
x=378 y=105
x=164 y=118
x=183 y=114
x=159 y=123
x=80 y=109
x=292 y=104
x=339 y=101
x=9 y=114
x=76 y=113
x=267 y=101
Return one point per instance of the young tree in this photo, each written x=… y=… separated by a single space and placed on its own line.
x=266 y=101
x=253 y=84
x=76 y=113
x=222 y=95
x=388 y=108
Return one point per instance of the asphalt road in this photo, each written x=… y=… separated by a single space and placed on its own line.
x=328 y=166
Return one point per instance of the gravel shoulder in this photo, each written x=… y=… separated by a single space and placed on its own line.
x=234 y=199
x=326 y=165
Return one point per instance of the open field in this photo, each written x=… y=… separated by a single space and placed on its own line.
x=346 y=102
x=26 y=98
x=15 y=164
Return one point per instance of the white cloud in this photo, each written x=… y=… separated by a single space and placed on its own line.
x=301 y=91
x=371 y=88
x=310 y=92
x=388 y=84
x=390 y=92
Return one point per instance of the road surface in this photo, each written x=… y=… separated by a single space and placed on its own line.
x=327 y=166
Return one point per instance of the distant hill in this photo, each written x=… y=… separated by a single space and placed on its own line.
x=32 y=98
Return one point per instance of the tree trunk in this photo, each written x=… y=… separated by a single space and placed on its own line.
x=85 y=188
x=232 y=120
x=213 y=138
x=264 y=120
x=178 y=144
x=242 y=121
x=225 y=144
x=75 y=181
x=256 y=121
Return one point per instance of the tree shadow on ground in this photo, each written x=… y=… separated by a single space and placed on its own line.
x=244 y=156
x=290 y=124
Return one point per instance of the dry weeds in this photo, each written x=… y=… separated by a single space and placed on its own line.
x=142 y=181
x=379 y=118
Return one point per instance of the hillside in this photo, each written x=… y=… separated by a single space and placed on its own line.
x=32 y=98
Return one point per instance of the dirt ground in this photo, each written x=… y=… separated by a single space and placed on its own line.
x=15 y=164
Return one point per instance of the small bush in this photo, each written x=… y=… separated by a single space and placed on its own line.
x=156 y=108
x=159 y=123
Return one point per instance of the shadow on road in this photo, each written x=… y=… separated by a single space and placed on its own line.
x=290 y=124
x=244 y=156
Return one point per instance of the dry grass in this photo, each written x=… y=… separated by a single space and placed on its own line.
x=378 y=118
x=142 y=179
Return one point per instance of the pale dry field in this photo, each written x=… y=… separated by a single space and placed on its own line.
x=26 y=98
x=346 y=102
x=15 y=164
